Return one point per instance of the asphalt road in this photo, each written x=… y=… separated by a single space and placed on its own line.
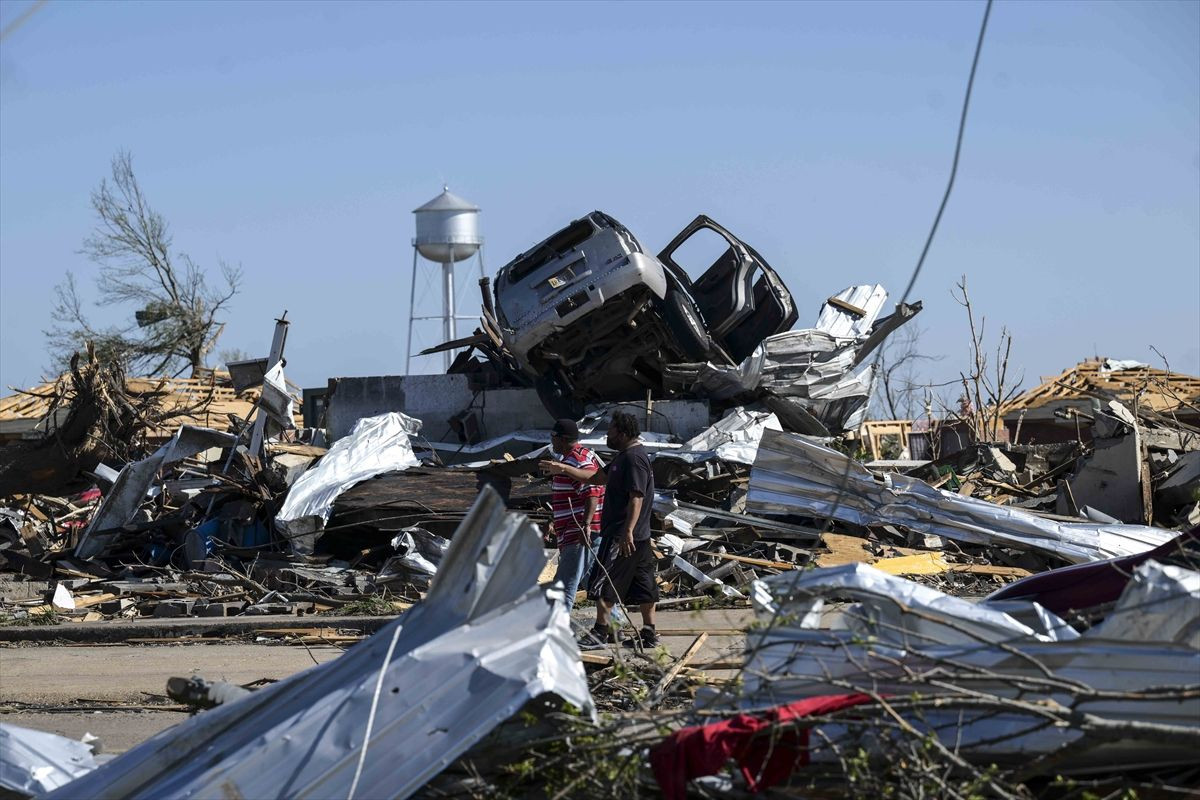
x=45 y=686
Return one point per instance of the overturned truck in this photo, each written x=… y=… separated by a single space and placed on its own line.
x=589 y=316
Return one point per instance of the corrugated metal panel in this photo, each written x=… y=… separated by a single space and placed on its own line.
x=899 y=637
x=34 y=762
x=394 y=711
x=793 y=475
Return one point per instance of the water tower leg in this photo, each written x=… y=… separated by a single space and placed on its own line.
x=412 y=299
x=448 y=306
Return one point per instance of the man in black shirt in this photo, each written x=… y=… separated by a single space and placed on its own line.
x=625 y=565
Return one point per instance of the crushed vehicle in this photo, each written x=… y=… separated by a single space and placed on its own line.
x=590 y=316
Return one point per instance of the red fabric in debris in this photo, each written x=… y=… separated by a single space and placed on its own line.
x=90 y=495
x=765 y=760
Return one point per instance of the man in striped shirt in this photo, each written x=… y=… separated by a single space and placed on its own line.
x=576 y=506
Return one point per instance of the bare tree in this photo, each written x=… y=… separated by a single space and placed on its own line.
x=898 y=389
x=175 y=312
x=988 y=386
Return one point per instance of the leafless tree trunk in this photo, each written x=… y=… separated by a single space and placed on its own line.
x=898 y=390
x=987 y=386
x=174 y=312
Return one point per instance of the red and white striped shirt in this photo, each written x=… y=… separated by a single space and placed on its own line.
x=568 y=497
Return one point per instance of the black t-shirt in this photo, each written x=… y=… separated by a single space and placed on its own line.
x=629 y=472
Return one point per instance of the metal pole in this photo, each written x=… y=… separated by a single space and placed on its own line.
x=277 y=343
x=412 y=294
x=448 y=306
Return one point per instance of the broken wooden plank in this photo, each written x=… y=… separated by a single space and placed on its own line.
x=722 y=663
x=757 y=562
x=838 y=302
x=917 y=564
x=673 y=672
x=86 y=601
x=991 y=569
x=846 y=549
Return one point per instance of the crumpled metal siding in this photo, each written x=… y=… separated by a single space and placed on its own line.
x=1167 y=603
x=820 y=368
x=794 y=475
x=376 y=445
x=734 y=437
x=34 y=762
x=128 y=492
x=898 y=629
x=486 y=640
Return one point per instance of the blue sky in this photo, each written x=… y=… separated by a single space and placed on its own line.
x=296 y=138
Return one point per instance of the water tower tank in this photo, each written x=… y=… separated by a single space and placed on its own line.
x=447 y=228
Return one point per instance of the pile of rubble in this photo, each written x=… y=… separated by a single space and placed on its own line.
x=987 y=621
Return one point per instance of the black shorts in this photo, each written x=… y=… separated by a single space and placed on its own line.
x=630 y=579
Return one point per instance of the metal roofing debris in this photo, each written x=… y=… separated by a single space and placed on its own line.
x=376 y=445
x=129 y=490
x=793 y=475
x=395 y=710
x=817 y=367
x=899 y=636
x=34 y=762
x=734 y=438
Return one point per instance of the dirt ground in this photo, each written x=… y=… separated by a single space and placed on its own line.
x=66 y=689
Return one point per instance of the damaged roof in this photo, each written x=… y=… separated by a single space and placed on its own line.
x=1158 y=390
x=208 y=399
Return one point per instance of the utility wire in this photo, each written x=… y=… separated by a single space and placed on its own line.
x=962 y=126
x=845 y=479
x=22 y=19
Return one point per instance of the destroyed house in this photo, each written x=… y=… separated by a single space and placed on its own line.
x=205 y=400
x=1061 y=408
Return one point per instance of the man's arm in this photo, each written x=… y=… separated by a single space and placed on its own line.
x=632 y=512
x=596 y=477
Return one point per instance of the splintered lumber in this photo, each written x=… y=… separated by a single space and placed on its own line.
x=845 y=549
x=591 y=659
x=678 y=666
x=991 y=569
x=724 y=663
x=94 y=599
x=311 y=635
x=757 y=562
x=917 y=564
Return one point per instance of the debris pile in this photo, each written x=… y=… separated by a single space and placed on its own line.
x=984 y=621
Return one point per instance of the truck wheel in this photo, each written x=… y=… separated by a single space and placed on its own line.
x=687 y=329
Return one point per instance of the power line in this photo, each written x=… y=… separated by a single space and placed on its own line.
x=21 y=20
x=962 y=125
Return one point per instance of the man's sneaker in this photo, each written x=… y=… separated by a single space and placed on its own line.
x=646 y=637
x=595 y=639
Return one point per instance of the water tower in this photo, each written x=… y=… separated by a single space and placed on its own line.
x=447 y=232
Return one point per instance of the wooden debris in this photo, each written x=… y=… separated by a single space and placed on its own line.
x=657 y=693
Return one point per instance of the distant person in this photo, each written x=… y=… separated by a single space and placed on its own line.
x=625 y=564
x=575 y=505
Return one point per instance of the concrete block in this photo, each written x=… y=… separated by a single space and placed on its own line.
x=116 y=606
x=226 y=609
x=174 y=608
